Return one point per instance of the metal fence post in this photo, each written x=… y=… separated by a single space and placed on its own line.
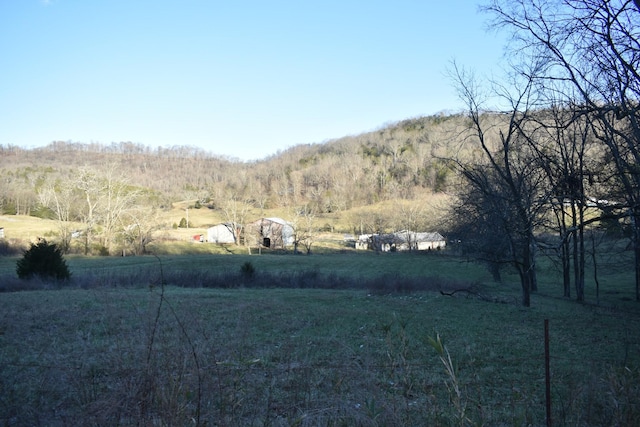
x=547 y=373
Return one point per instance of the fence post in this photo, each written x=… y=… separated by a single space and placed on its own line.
x=547 y=373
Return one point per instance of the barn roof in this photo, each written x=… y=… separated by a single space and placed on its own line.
x=429 y=236
x=277 y=220
x=225 y=224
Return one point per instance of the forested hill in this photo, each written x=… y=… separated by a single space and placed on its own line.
x=401 y=160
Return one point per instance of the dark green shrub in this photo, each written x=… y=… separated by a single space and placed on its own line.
x=183 y=223
x=44 y=260
x=247 y=270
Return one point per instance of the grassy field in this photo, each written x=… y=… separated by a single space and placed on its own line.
x=153 y=341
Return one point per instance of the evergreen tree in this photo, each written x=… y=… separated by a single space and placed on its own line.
x=44 y=260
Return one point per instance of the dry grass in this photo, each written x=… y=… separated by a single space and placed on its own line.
x=304 y=357
x=26 y=228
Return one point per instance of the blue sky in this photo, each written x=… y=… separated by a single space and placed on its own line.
x=241 y=79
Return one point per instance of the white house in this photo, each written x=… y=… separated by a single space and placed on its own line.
x=402 y=241
x=429 y=241
x=364 y=242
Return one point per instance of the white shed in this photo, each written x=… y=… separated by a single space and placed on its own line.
x=221 y=233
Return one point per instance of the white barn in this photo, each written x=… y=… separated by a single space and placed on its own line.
x=222 y=233
x=275 y=233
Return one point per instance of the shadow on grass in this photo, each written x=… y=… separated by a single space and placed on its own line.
x=244 y=278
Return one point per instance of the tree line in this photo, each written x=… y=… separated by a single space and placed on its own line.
x=401 y=160
x=557 y=168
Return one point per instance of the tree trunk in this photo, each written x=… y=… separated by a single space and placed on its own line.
x=527 y=274
x=581 y=254
x=636 y=250
x=566 y=266
x=533 y=277
x=525 y=283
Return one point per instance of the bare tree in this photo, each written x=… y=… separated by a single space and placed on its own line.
x=475 y=223
x=60 y=198
x=575 y=169
x=117 y=198
x=90 y=187
x=106 y=200
x=588 y=53
x=138 y=228
x=508 y=184
x=304 y=229
x=409 y=218
x=235 y=211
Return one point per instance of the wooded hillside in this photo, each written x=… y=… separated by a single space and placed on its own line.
x=68 y=181
x=401 y=160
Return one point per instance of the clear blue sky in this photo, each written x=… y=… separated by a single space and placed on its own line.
x=242 y=79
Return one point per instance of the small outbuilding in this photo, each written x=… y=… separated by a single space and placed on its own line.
x=223 y=233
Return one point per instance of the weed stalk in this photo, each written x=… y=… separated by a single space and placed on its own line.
x=453 y=385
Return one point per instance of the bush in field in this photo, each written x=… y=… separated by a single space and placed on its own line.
x=44 y=260
x=247 y=270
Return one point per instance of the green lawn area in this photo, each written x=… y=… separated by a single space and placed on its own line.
x=149 y=354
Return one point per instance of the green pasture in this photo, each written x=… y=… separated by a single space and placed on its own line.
x=308 y=357
x=615 y=285
x=352 y=264
x=148 y=354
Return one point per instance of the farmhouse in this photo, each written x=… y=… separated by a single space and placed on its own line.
x=365 y=241
x=423 y=241
x=273 y=233
x=401 y=241
x=223 y=233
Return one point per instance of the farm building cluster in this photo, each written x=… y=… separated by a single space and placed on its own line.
x=401 y=241
x=276 y=233
x=273 y=233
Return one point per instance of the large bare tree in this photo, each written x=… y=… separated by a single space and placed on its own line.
x=587 y=52
x=304 y=229
x=504 y=184
x=60 y=198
